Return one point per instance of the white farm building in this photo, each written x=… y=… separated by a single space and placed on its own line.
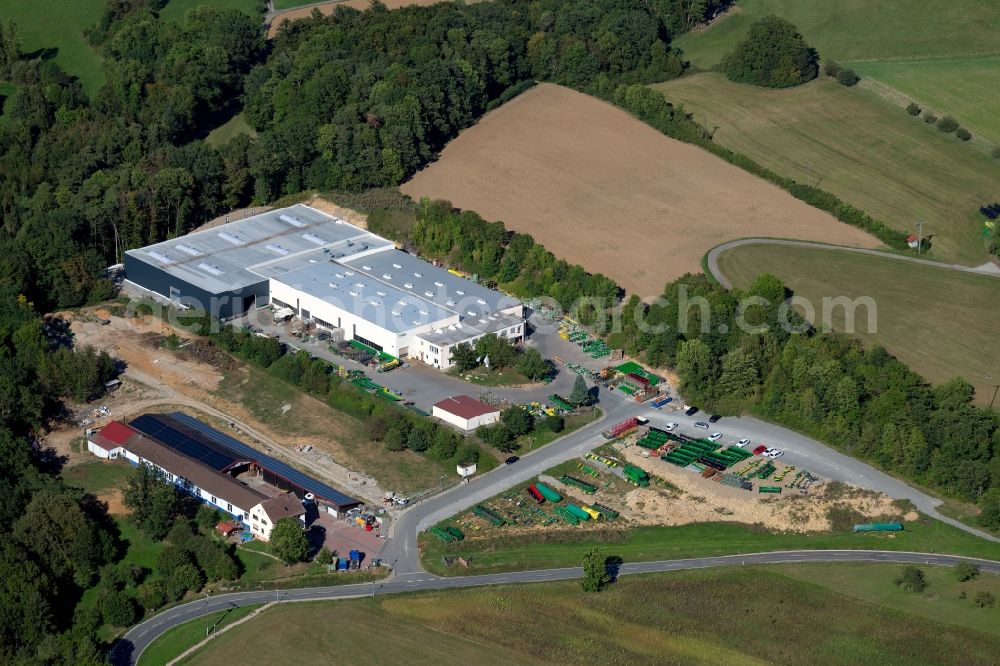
x=331 y=273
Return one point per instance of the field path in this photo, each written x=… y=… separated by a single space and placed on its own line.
x=989 y=269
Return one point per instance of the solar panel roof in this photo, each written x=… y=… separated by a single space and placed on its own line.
x=167 y=429
x=210 y=436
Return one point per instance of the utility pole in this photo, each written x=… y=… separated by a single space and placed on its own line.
x=920 y=236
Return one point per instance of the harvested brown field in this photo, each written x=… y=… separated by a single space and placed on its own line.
x=599 y=188
x=327 y=8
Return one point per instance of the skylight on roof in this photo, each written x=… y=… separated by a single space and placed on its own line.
x=386 y=276
x=438 y=284
x=313 y=238
x=294 y=221
x=460 y=292
x=480 y=301
x=230 y=238
x=396 y=266
x=277 y=249
x=408 y=285
x=187 y=249
x=417 y=275
x=429 y=294
x=210 y=268
x=367 y=268
x=159 y=256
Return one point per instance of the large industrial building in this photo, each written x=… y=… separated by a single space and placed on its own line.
x=205 y=462
x=331 y=273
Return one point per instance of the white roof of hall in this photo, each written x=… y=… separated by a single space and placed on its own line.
x=470 y=328
x=219 y=259
x=390 y=308
x=435 y=284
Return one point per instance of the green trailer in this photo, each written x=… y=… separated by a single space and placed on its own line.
x=579 y=513
x=488 y=515
x=879 y=527
x=566 y=515
x=607 y=512
x=548 y=493
x=582 y=485
x=441 y=534
x=769 y=489
x=561 y=403
x=455 y=532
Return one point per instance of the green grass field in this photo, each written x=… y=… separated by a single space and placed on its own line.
x=941 y=323
x=177 y=9
x=523 y=552
x=857 y=145
x=59 y=24
x=749 y=616
x=964 y=88
x=859 y=29
x=874 y=582
x=229 y=130
x=180 y=638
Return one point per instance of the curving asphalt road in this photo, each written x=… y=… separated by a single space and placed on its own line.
x=988 y=269
x=130 y=647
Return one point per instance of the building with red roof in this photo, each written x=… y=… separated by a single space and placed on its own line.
x=466 y=413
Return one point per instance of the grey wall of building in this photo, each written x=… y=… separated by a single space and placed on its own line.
x=223 y=305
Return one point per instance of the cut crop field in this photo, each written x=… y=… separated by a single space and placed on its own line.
x=941 y=323
x=859 y=29
x=54 y=28
x=965 y=88
x=858 y=146
x=720 y=616
x=599 y=188
x=296 y=9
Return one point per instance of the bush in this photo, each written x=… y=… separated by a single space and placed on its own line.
x=913 y=109
x=995 y=152
x=947 y=124
x=152 y=595
x=118 y=609
x=831 y=68
x=288 y=541
x=930 y=118
x=963 y=134
x=985 y=600
x=848 y=77
x=183 y=578
x=554 y=423
x=595 y=570
x=965 y=571
x=773 y=55
x=911 y=579
x=324 y=556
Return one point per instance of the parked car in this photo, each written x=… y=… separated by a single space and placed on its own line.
x=743 y=442
x=773 y=453
x=759 y=450
x=715 y=436
x=714 y=418
x=670 y=427
x=701 y=424
x=641 y=420
x=511 y=460
x=691 y=411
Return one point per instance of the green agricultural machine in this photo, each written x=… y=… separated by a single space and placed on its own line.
x=489 y=516
x=548 y=493
x=636 y=476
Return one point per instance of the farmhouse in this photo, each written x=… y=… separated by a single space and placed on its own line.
x=270 y=511
x=325 y=271
x=465 y=412
x=206 y=462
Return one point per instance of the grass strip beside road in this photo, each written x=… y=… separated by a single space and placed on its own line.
x=174 y=641
x=565 y=547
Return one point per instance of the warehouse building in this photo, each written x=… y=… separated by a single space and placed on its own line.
x=327 y=272
x=464 y=412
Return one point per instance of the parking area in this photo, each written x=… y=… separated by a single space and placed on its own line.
x=341 y=537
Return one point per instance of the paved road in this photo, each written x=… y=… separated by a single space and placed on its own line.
x=989 y=269
x=128 y=649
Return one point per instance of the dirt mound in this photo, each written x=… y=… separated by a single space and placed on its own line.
x=599 y=188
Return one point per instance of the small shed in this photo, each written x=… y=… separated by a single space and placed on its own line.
x=913 y=241
x=465 y=412
x=228 y=529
